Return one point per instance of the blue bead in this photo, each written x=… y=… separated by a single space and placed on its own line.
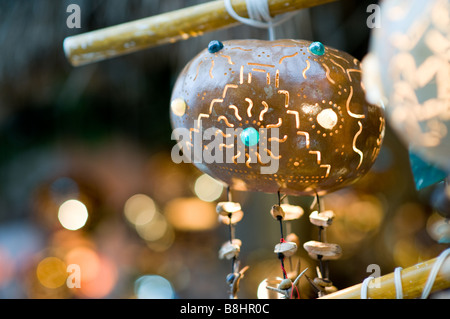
x=250 y=136
x=317 y=48
x=230 y=278
x=215 y=46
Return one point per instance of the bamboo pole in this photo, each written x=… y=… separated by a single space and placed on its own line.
x=413 y=281
x=165 y=28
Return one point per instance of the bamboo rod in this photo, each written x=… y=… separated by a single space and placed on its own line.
x=413 y=281
x=165 y=28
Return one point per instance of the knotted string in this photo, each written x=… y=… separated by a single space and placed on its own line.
x=259 y=15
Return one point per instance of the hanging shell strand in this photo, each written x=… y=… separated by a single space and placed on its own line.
x=322 y=251
x=230 y=213
x=286 y=248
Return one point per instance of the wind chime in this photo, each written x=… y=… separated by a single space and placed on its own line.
x=294 y=102
x=287 y=117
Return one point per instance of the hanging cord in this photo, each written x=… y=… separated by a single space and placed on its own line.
x=259 y=15
x=282 y=240
x=398 y=282
x=231 y=230
x=323 y=266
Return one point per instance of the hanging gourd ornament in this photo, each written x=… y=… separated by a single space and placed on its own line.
x=285 y=116
x=408 y=67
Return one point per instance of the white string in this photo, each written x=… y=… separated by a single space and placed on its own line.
x=433 y=273
x=365 y=286
x=398 y=282
x=259 y=15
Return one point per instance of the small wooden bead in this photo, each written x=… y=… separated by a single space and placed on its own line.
x=226 y=208
x=293 y=238
x=230 y=249
x=286 y=248
x=323 y=219
x=236 y=217
x=277 y=212
x=285 y=284
x=291 y=211
x=326 y=250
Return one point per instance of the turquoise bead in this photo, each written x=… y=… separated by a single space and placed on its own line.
x=250 y=136
x=215 y=46
x=317 y=48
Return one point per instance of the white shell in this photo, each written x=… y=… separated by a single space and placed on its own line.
x=236 y=217
x=328 y=251
x=323 y=219
x=292 y=211
x=230 y=249
x=286 y=248
x=322 y=283
x=226 y=208
x=285 y=284
x=276 y=211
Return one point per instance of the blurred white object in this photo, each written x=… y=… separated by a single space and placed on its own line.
x=408 y=69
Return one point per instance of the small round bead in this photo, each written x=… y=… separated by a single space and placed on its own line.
x=317 y=48
x=215 y=46
x=178 y=106
x=250 y=136
x=230 y=278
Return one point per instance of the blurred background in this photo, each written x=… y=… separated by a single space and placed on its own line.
x=86 y=176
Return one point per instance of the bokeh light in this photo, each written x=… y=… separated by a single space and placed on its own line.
x=88 y=261
x=103 y=283
x=207 y=188
x=154 y=229
x=357 y=217
x=191 y=214
x=72 y=214
x=139 y=209
x=153 y=287
x=52 y=272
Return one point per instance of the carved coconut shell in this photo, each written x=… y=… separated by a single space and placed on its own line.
x=328 y=135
